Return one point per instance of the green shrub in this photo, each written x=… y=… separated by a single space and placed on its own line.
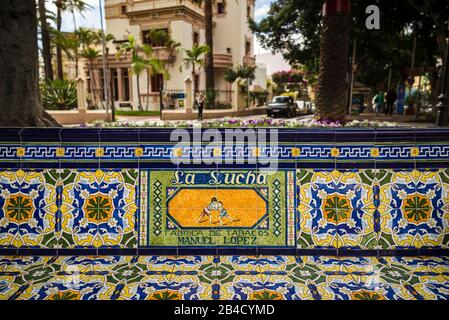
x=59 y=95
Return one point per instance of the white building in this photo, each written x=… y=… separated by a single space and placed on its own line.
x=184 y=22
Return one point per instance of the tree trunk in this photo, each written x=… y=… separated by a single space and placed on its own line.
x=60 y=70
x=209 y=68
x=148 y=90
x=46 y=51
x=77 y=59
x=331 y=103
x=138 y=93
x=19 y=72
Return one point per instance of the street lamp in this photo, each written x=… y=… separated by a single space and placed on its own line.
x=442 y=106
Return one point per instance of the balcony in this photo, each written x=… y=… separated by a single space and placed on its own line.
x=223 y=60
x=249 y=60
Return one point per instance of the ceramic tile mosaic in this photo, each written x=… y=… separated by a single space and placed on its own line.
x=335 y=209
x=414 y=209
x=222 y=278
x=68 y=208
x=373 y=209
x=217 y=208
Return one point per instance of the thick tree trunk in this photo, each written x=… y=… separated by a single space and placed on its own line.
x=19 y=72
x=332 y=91
x=46 y=51
x=60 y=70
x=210 y=85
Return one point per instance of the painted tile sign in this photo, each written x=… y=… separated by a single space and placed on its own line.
x=216 y=208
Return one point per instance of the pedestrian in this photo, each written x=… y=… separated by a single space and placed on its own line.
x=379 y=101
x=391 y=99
x=200 y=106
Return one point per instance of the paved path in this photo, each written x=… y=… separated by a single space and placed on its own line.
x=224 y=278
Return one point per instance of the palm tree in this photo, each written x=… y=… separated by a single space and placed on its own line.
x=209 y=68
x=194 y=57
x=19 y=73
x=245 y=72
x=153 y=66
x=138 y=64
x=45 y=38
x=331 y=102
x=90 y=54
x=62 y=6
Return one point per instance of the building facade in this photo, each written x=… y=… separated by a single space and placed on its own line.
x=184 y=22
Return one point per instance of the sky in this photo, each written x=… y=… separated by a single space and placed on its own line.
x=91 y=18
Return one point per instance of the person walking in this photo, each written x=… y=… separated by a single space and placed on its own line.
x=391 y=99
x=379 y=101
x=200 y=105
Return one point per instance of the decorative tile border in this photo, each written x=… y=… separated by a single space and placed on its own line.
x=222 y=278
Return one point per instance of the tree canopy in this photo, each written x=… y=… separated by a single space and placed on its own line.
x=293 y=28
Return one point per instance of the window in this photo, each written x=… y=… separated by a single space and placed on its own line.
x=157 y=82
x=247 y=48
x=248 y=11
x=115 y=84
x=221 y=8
x=124 y=9
x=196 y=38
x=155 y=37
x=102 y=91
x=125 y=84
x=197 y=83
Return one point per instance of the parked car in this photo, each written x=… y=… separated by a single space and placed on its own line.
x=282 y=105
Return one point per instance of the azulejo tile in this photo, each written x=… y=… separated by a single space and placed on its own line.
x=160 y=287
x=335 y=209
x=412 y=209
x=247 y=208
x=99 y=209
x=27 y=209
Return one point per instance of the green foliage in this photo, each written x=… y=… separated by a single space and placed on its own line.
x=293 y=28
x=59 y=95
x=210 y=97
x=195 y=56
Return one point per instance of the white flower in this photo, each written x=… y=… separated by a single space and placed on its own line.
x=113 y=194
x=3 y=222
x=128 y=273
x=183 y=290
x=247 y=290
x=322 y=194
x=112 y=223
x=148 y=290
x=40 y=273
x=51 y=291
x=33 y=223
x=304 y=273
x=350 y=194
x=402 y=194
x=431 y=194
x=402 y=223
x=322 y=223
x=34 y=194
x=84 y=194
x=5 y=193
x=86 y=290
x=432 y=223
x=282 y=291
x=83 y=223
x=216 y=273
x=351 y=223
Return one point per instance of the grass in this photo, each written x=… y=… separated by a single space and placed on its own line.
x=137 y=113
